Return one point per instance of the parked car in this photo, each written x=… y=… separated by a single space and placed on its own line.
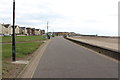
x=1 y=35
x=7 y=35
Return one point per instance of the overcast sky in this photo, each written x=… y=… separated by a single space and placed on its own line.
x=80 y=16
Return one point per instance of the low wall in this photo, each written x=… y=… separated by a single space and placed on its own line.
x=108 y=52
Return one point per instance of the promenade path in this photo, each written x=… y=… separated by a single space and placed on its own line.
x=65 y=59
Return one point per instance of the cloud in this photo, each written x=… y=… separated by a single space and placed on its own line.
x=81 y=16
x=91 y=21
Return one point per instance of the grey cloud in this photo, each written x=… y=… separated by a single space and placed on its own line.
x=24 y=12
x=115 y=15
x=91 y=21
x=23 y=19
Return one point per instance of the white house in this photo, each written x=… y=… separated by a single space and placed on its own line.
x=17 y=29
x=23 y=30
x=6 y=29
x=37 y=32
x=1 y=29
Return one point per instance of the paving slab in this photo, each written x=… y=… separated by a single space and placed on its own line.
x=20 y=62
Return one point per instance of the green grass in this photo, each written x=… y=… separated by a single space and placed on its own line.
x=22 y=49
x=29 y=45
x=23 y=38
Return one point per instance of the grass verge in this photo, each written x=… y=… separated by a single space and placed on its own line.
x=24 y=51
x=23 y=38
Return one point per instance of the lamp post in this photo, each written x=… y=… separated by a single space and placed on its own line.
x=47 y=26
x=13 y=35
x=47 y=31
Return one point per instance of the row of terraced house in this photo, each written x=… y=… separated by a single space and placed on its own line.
x=6 y=29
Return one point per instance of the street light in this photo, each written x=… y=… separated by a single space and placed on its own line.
x=47 y=31
x=47 y=26
x=13 y=35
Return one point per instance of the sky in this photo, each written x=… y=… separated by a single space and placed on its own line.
x=88 y=17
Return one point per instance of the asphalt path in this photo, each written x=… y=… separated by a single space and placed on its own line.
x=65 y=59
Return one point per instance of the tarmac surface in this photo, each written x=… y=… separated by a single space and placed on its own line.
x=65 y=59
